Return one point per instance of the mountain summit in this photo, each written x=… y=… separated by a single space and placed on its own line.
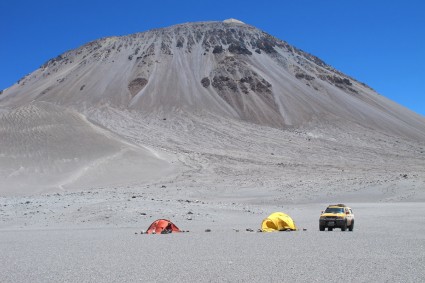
x=226 y=68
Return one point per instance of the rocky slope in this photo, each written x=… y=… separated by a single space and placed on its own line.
x=226 y=68
x=208 y=110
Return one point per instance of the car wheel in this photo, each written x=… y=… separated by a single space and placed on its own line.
x=322 y=228
x=351 y=227
x=344 y=226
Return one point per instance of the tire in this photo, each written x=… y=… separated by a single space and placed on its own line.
x=321 y=228
x=344 y=226
x=351 y=227
x=330 y=229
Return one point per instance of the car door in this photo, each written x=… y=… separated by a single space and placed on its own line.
x=349 y=216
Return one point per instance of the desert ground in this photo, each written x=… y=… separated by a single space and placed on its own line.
x=95 y=236
x=228 y=177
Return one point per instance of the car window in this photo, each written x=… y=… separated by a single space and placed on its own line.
x=334 y=210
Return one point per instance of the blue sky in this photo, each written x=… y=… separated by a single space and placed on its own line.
x=378 y=42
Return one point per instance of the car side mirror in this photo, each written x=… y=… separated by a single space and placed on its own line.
x=322 y=212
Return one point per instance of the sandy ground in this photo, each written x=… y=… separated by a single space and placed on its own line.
x=95 y=237
x=231 y=175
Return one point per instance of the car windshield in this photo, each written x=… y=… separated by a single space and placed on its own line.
x=334 y=210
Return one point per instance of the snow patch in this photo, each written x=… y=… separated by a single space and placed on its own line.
x=233 y=21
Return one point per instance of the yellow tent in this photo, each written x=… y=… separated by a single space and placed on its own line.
x=278 y=221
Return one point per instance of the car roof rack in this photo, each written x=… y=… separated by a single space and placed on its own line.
x=338 y=205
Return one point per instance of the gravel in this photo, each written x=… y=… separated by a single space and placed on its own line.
x=387 y=244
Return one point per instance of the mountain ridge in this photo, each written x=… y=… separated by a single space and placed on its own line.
x=229 y=68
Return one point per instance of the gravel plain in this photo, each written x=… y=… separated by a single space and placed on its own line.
x=387 y=244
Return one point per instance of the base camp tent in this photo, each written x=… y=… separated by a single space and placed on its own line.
x=278 y=221
x=162 y=226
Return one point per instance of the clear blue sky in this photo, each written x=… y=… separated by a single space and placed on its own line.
x=378 y=42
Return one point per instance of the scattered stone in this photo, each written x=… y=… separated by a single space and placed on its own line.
x=142 y=213
x=133 y=197
x=304 y=76
x=249 y=230
x=205 y=82
x=217 y=49
x=239 y=49
x=190 y=212
x=207 y=230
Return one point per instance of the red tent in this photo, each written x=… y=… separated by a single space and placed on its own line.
x=162 y=226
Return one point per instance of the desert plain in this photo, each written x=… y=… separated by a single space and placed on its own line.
x=230 y=177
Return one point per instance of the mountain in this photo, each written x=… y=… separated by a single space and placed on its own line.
x=228 y=68
x=160 y=88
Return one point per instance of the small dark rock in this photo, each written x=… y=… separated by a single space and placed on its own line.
x=207 y=230
x=217 y=49
x=239 y=49
x=304 y=76
x=205 y=82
